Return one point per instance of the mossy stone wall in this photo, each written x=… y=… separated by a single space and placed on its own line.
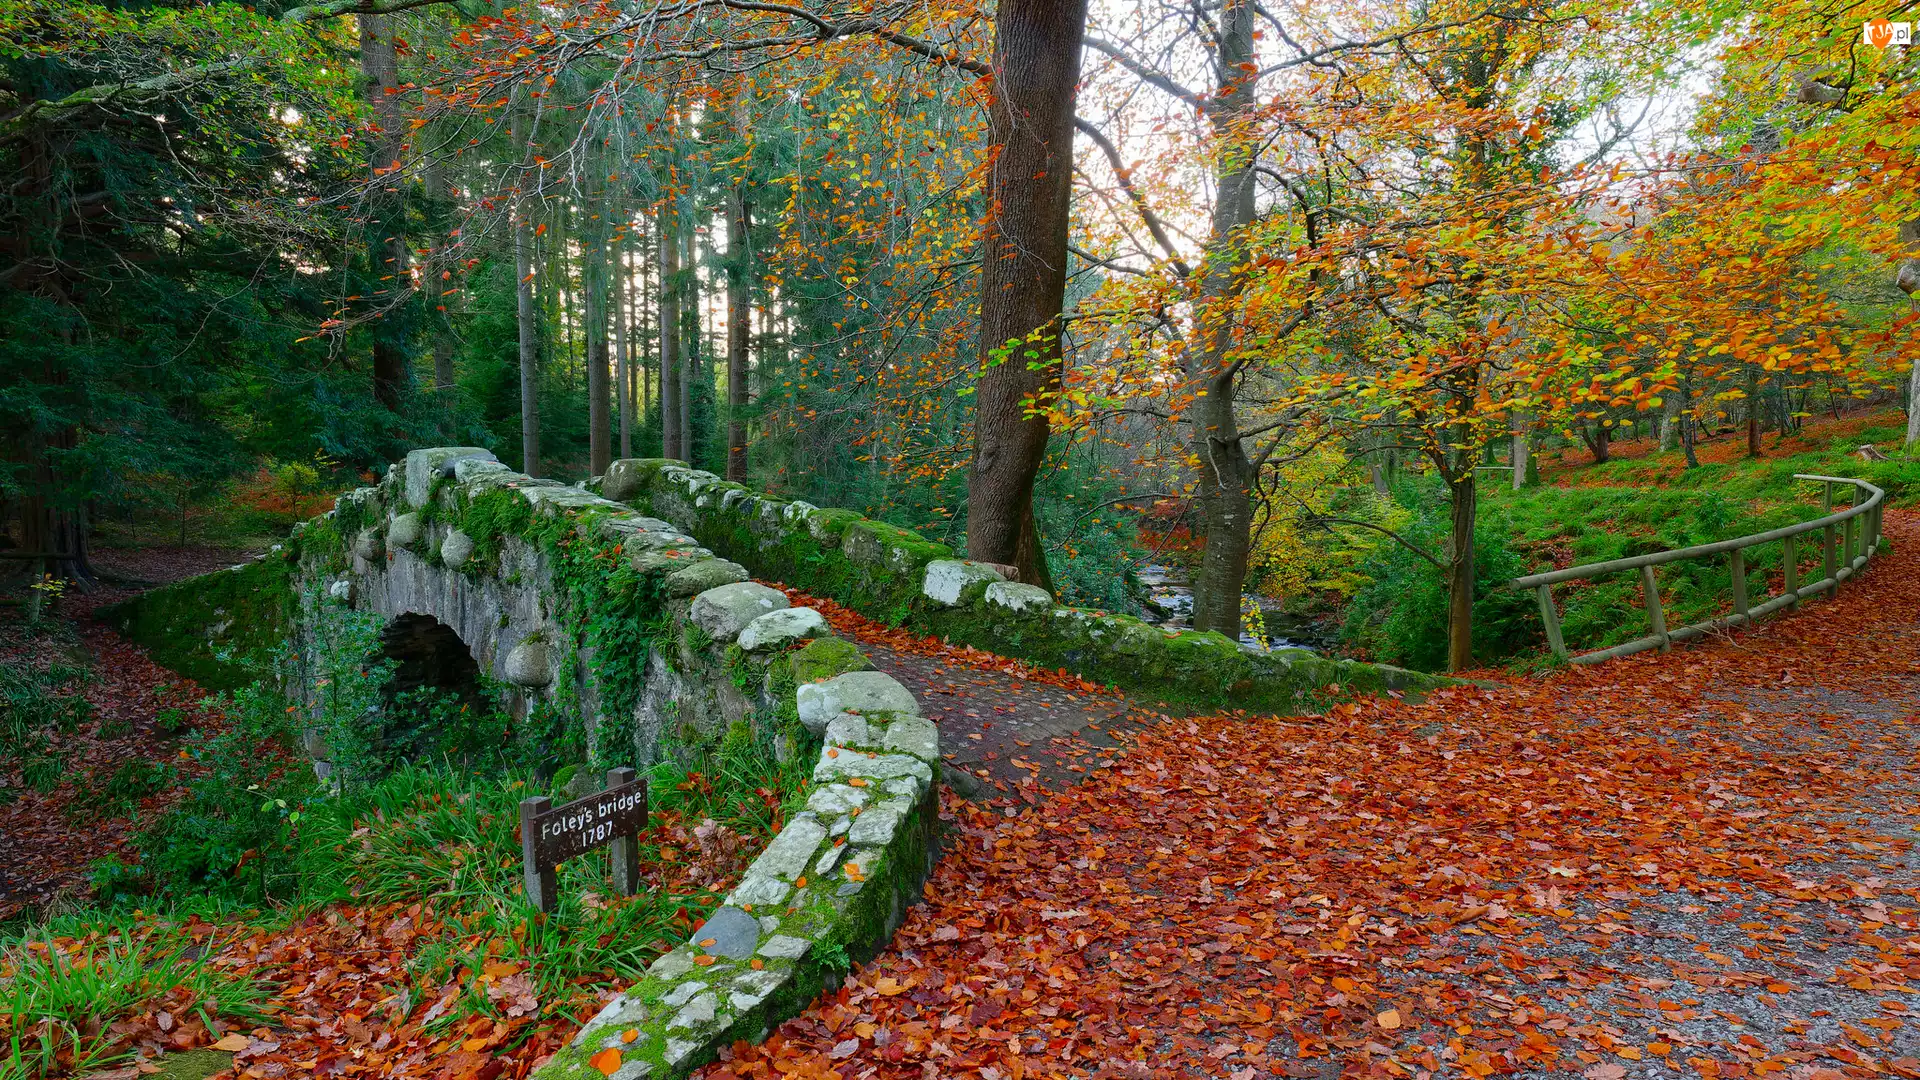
x=883 y=572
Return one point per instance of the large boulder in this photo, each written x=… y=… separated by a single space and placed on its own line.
x=426 y=466
x=948 y=581
x=1016 y=596
x=725 y=611
x=778 y=629
x=863 y=692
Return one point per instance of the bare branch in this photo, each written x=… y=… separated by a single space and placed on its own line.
x=1125 y=176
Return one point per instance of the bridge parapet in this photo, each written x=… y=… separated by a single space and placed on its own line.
x=899 y=577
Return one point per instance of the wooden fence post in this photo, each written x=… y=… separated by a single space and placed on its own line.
x=1832 y=566
x=543 y=885
x=1650 y=588
x=624 y=851
x=1738 y=558
x=1792 y=564
x=1551 y=618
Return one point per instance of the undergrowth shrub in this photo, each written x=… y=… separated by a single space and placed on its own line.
x=1400 y=615
x=59 y=982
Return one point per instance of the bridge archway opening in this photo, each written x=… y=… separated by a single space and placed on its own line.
x=433 y=697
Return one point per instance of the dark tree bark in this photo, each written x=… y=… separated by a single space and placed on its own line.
x=1599 y=440
x=739 y=325
x=1460 y=570
x=667 y=227
x=1036 y=70
x=1753 y=413
x=387 y=253
x=622 y=352
x=528 y=314
x=692 y=361
x=594 y=275
x=1225 y=477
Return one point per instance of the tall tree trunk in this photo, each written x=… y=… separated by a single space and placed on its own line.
x=1521 y=446
x=527 y=313
x=387 y=254
x=623 y=367
x=692 y=345
x=668 y=229
x=1907 y=279
x=1670 y=421
x=1460 y=571
x=1753 y=413
x=1036 y=74
x=593 y=282
x=739 y=326
x=1224 y=476
x=644 y=301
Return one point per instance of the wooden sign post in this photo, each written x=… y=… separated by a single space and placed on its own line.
x=611 y=818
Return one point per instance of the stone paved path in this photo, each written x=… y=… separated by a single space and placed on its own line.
x=1006 y=733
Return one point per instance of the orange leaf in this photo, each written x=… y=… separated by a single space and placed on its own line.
x=607 y=1061
x=1388 y=1020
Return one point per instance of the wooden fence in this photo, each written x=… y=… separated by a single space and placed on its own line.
x=1848 y=539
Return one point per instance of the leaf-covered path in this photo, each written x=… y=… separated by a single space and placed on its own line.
x=1701 y=863
x=49 y=838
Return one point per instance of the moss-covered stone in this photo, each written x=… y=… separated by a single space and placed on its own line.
x=824 y=658
x=218 y=629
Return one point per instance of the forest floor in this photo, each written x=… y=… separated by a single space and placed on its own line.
x=1699 y=863
x=48 y=839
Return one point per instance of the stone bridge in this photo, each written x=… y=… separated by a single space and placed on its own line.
x=620 y=616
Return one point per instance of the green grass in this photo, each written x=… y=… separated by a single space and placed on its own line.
x=1641 y=505
x=62 y=984
x=1768 y=479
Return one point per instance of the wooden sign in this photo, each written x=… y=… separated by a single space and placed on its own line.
x=612 y=818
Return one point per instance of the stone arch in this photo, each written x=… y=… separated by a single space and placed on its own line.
x=427 y=652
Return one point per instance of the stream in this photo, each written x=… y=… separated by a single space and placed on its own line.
x=1169 y=591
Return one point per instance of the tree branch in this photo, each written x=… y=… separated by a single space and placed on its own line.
x=1145 y=73
x=1125 y=176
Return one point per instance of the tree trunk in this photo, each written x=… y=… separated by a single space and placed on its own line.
x=666 y=225
x=739 y=325
x=1670 y=422
x=622 y=366
x=1753 y=413
x=1518 y=458
x=1907 y=280
x=1460 y=573
x=1225 y=476
x=527 y=313
x=691 y=340
x=1036 y=74
x=387 y=254
x=51 y=523
x=1913 y=403
x=1599 y=441
x=593 y=281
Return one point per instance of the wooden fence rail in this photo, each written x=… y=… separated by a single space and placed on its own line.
x=1848 y=539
